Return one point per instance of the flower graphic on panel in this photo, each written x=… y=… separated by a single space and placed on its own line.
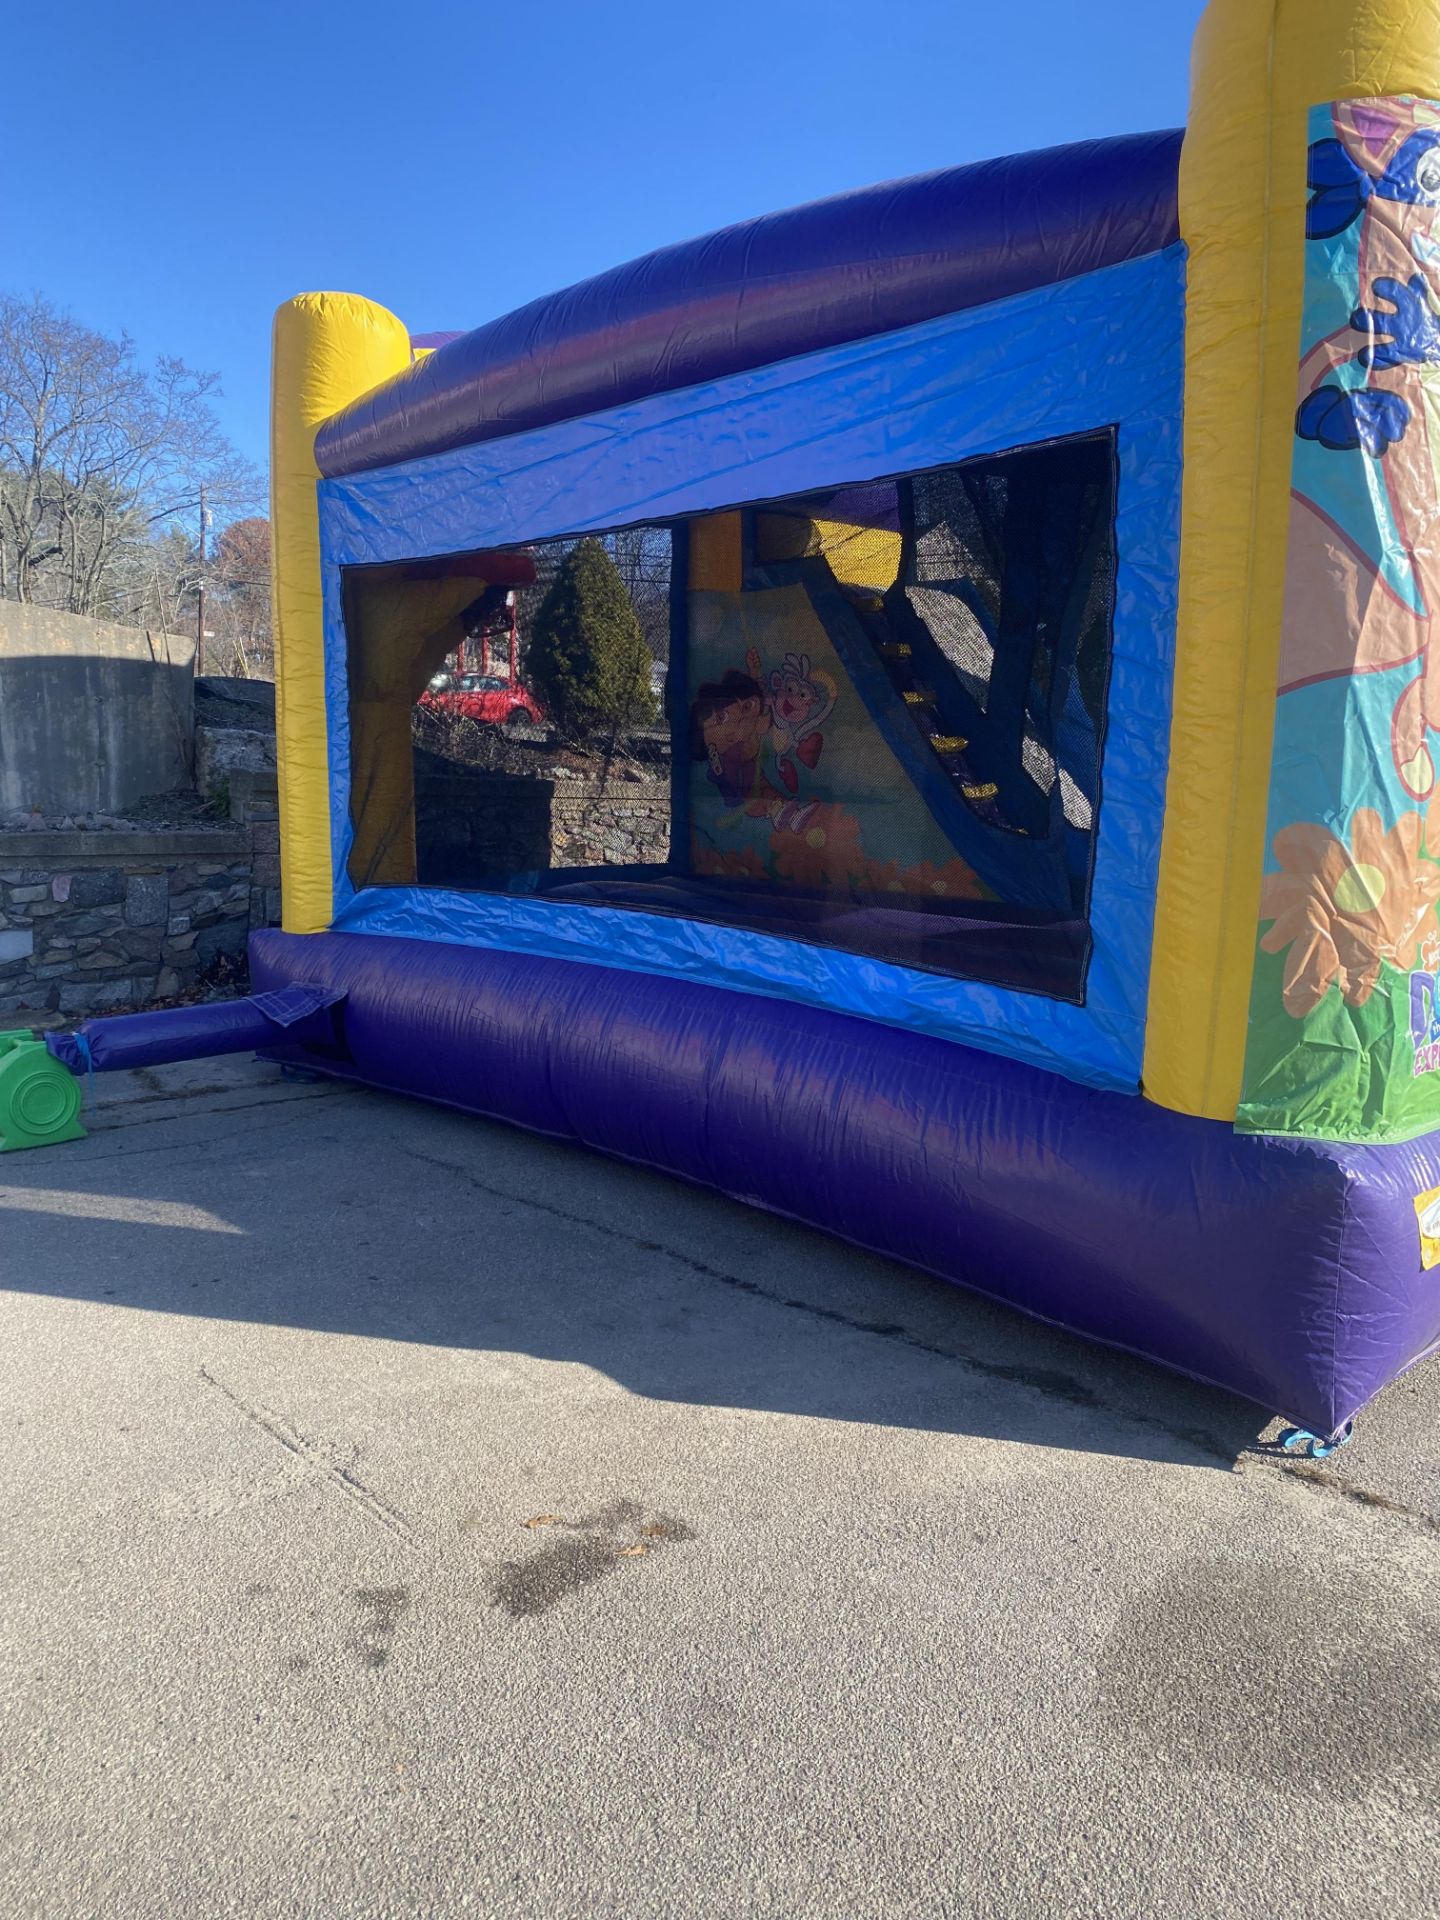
x=1339 y=913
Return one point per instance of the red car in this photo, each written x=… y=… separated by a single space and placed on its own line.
x=488 y=699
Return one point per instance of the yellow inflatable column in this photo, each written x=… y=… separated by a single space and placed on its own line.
x=400 y=632
x=329 y=348
x=1259 y=66
x=715 y=558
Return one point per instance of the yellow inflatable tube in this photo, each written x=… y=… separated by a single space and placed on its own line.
x=329 y=348
x=1259 y=66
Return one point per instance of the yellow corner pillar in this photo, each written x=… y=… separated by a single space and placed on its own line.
x=329 y=348
x=1258 y=68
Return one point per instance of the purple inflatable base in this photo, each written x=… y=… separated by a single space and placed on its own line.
x=1284 y=1270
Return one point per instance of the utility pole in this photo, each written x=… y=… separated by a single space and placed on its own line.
x=200 y=593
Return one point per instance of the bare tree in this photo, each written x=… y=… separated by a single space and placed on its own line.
x=239 y=599
x=642 y=559
x=95 y=450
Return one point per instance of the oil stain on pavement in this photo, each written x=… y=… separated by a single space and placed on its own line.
x=1226 y=1665
x=381 y=1608
x=579 y=1552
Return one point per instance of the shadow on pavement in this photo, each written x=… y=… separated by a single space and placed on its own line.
x=215 y=1191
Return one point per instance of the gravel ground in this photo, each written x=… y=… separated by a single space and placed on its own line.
x=405 y=1516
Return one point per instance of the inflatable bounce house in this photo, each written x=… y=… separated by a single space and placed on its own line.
x=1041 y=558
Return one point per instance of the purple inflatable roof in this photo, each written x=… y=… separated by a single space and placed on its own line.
x=811 y=277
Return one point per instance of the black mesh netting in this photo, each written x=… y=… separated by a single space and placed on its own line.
x=870 y=718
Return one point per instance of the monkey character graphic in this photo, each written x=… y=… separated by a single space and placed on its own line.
x=799 y=699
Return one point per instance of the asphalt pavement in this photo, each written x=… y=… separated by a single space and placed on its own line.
x=403 y=1516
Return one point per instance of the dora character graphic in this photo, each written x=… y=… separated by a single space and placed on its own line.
x=730 y=722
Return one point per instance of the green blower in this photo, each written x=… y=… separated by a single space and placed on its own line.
x=39 y=1097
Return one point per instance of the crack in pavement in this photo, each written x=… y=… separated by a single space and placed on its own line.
x=1044 y=1380
x=279 y=1097
x=1311 y=1475
x=206 y=1113
x=313 y=1454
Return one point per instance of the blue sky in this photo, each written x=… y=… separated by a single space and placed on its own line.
x=189 y=167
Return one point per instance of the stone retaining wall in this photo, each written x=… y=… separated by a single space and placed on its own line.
x=472 y=822
x=103 y=922
x=614 y=824
x=106 y=921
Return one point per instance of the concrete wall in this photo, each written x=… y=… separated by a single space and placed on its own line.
x=92 y=716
